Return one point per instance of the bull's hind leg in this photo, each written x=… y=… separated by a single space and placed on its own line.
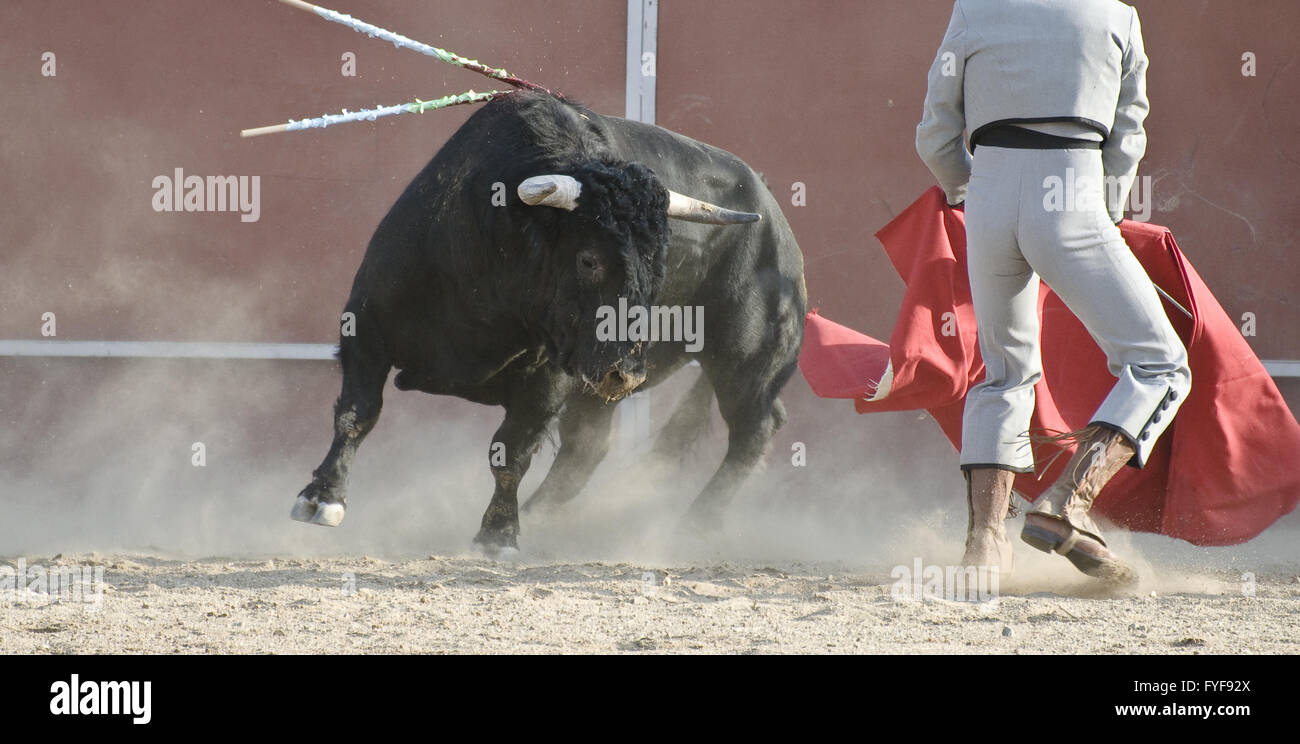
x=687 y=422
x=324 y=500
x=753 y=414
x=584 y=442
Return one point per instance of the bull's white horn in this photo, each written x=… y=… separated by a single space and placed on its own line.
x=551 y=191
x=682 y=207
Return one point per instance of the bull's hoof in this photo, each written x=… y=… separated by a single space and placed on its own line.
x=700 y=522
x=303 y=509
x=319 y=504
x=498 y=544
x=329 y=515
x=504 y=555
x=543 y=506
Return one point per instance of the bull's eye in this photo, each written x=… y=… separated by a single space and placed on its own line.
x=589 y=267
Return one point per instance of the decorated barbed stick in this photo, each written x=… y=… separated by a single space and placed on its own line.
x=413 y=107
x=398 y=40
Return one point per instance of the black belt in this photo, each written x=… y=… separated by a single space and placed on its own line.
x=1027 y=139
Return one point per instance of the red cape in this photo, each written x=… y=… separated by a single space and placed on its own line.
x=1221 y=473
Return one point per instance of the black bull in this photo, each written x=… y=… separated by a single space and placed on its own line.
x=471 y=291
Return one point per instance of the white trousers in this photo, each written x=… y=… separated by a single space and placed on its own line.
x=1023 y=224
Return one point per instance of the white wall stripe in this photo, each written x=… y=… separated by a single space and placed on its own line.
x=1278 y=368
x=165 y=350
x=1282 y=367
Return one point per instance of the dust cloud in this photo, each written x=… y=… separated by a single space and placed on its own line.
x=113 y=471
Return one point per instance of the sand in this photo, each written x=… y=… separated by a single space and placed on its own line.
x=466 y=604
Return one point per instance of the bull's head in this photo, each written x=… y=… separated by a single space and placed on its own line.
x=611 y=245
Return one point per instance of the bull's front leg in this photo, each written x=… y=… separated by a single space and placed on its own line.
x=509 y=456
x=324 y=500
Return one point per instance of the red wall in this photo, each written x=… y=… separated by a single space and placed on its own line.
x=829 y=93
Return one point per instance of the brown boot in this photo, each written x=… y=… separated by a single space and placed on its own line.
x=988 y=500
x=1059 y=521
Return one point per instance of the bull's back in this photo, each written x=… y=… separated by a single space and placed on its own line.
x=714 y=175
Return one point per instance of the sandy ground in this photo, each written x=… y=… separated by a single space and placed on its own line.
x=203 y=560
x=472 y=605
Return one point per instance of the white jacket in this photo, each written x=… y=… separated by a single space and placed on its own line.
x=1005 y=61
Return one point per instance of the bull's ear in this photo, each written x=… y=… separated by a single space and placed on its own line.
x=551 y=191
x=682 y=207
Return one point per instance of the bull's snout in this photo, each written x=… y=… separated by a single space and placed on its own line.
x=619 y=382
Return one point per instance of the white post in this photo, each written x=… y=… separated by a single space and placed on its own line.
x=642 y=49
x=634 y=421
